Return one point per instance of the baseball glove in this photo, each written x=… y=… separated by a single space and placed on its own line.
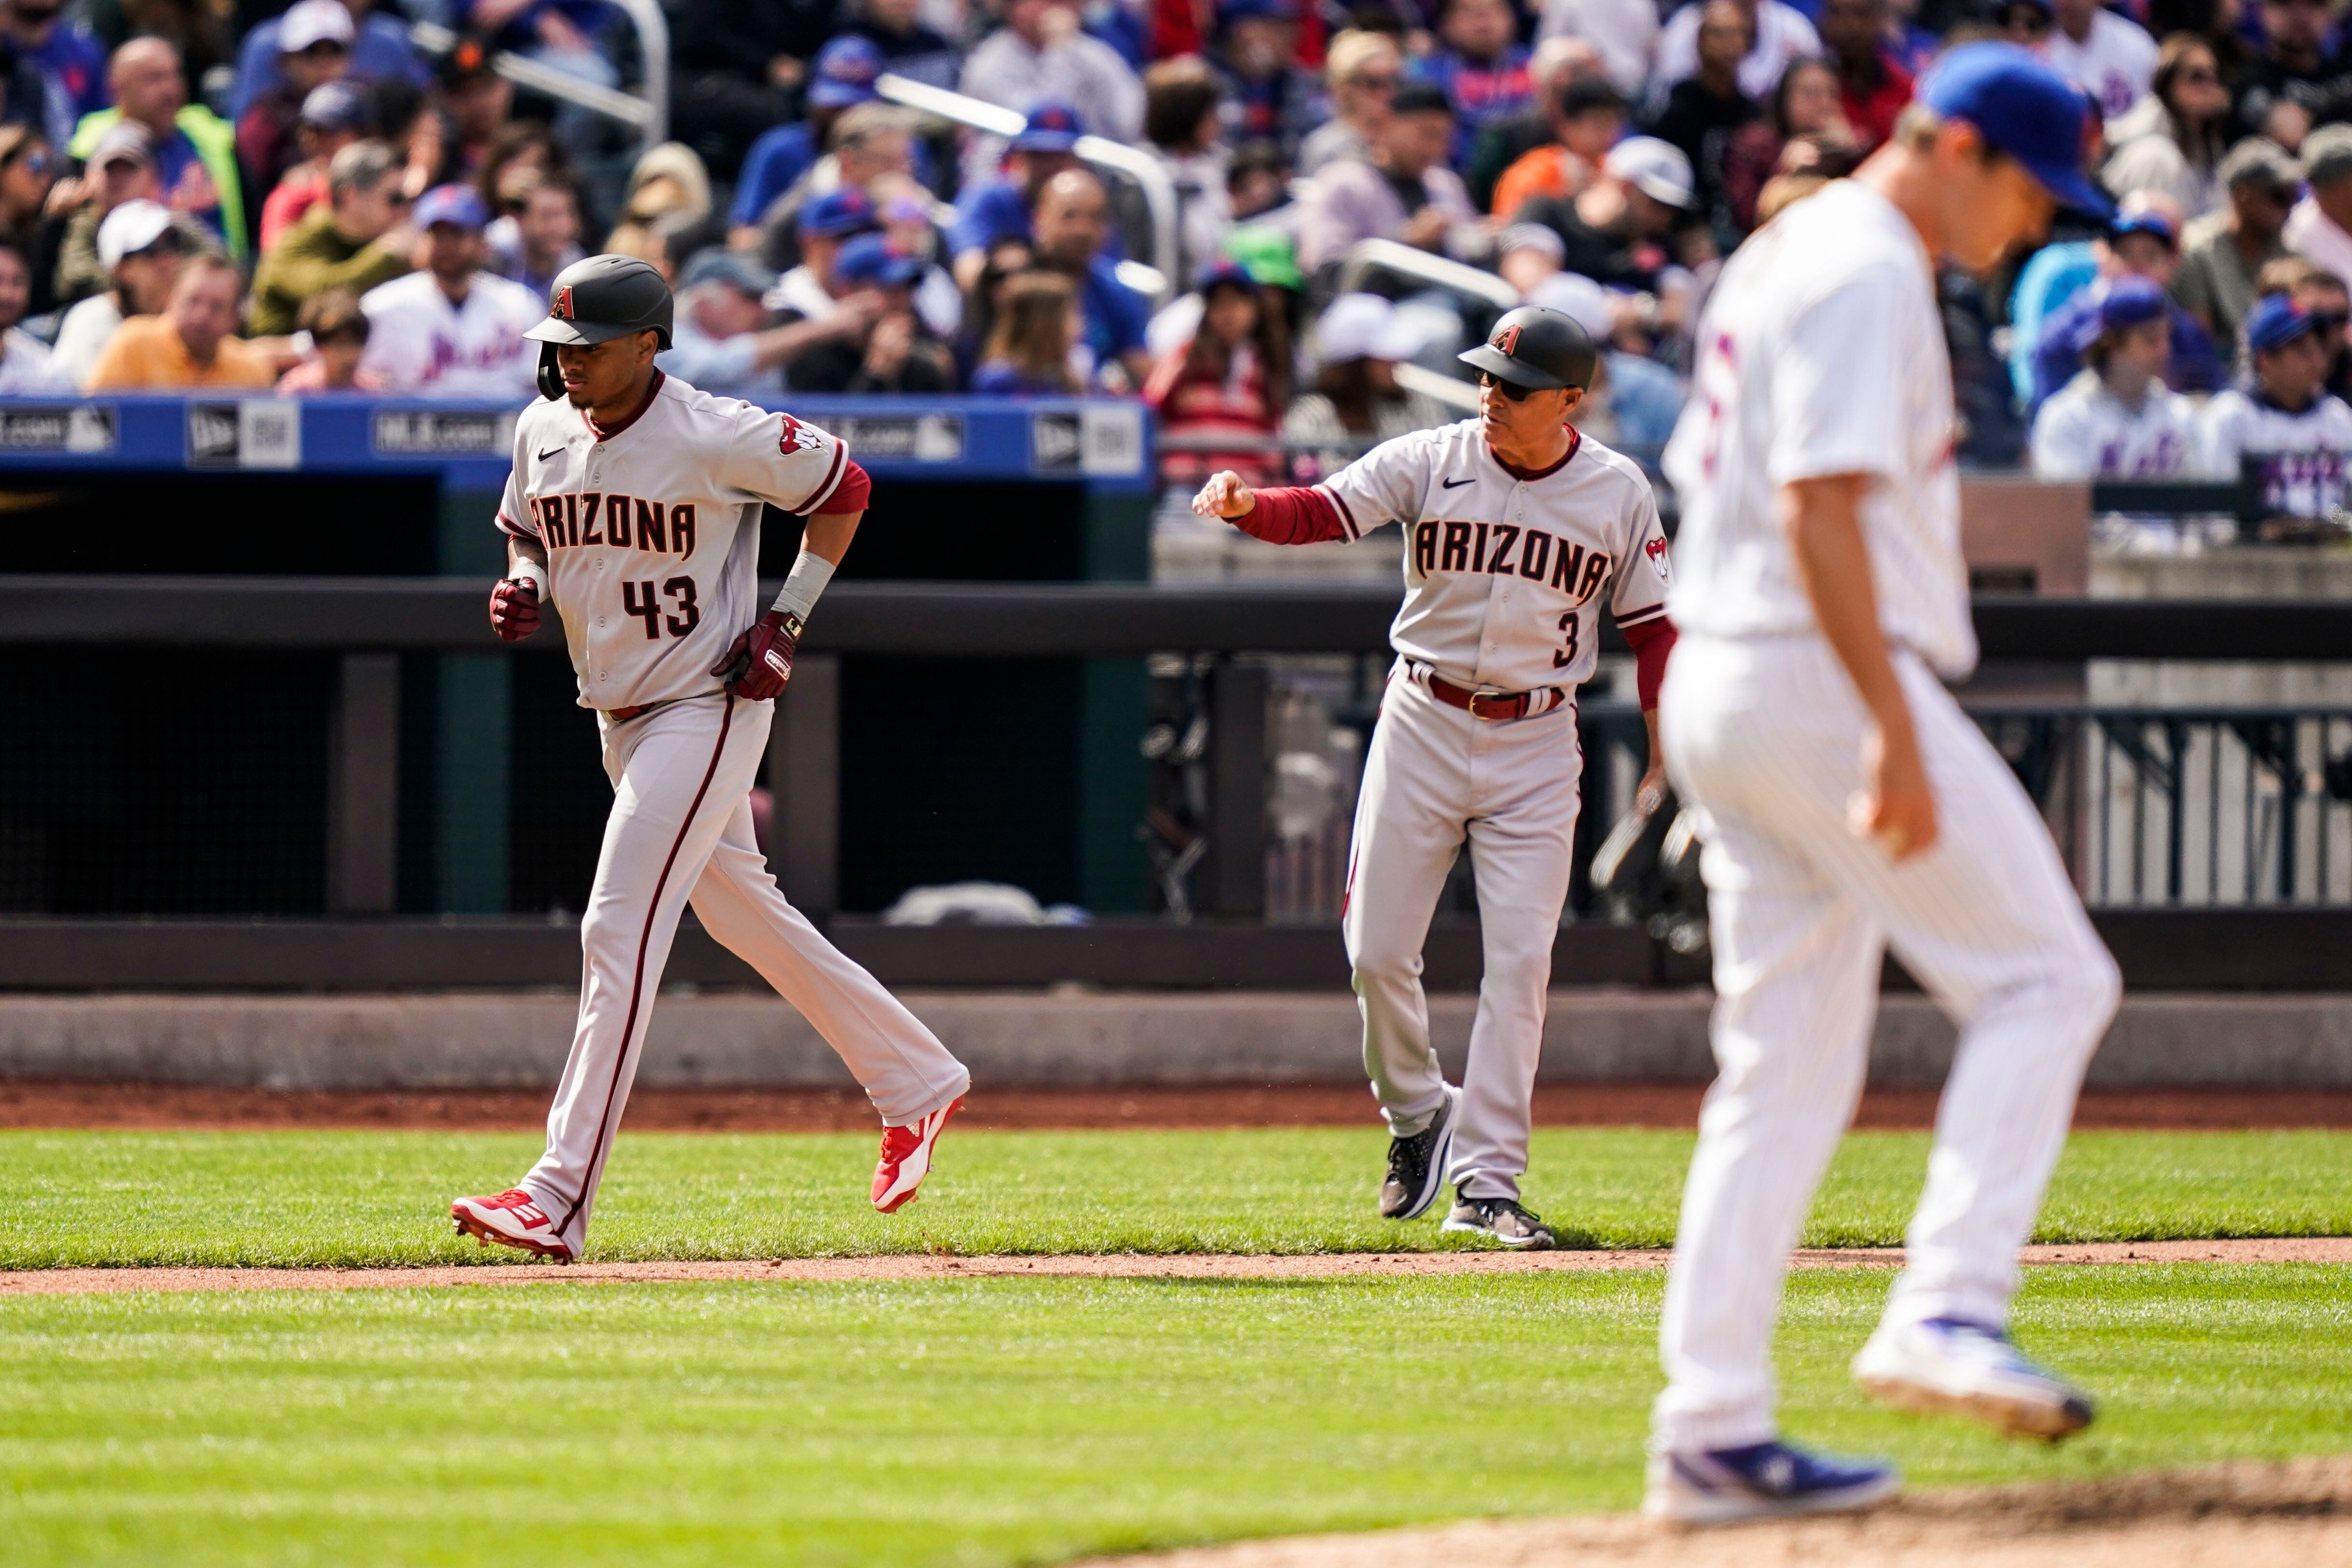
x=1647 y=872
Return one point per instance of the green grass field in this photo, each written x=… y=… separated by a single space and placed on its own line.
x=1006 y=1421
x=374 y=1198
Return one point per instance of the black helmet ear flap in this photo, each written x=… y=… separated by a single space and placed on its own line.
x=551 y=375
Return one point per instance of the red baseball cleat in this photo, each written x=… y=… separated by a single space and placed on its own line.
x=906 y=1157
x=513 y=1218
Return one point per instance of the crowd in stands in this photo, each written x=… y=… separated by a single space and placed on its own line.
x=218 y=196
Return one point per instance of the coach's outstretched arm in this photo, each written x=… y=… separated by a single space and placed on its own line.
x=1823 y=519
x=1289 y=514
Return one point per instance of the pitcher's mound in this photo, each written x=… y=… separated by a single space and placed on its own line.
x=2297 y=1515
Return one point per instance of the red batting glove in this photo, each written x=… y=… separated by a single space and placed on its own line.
x=514 y=608
x=759 y=663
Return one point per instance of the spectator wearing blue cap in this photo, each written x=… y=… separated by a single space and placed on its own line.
x=1041 y=55
x=453 y=328
x=2138 y=245
x=993 y=212
x=1071 y=220
x=843 y=76
x=891 y=351
x=1253 y=57
x=1482 y=68
x=810 y=290
x=2285 y=419
x=2116 y=419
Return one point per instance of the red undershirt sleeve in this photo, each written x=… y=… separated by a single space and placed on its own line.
x=1293 y=514
x=1651 y=641
x=850 y=492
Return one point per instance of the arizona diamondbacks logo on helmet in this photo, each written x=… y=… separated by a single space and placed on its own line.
x=1508 y=340
x=561 y=308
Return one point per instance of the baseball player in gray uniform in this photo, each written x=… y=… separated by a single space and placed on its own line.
x=634 y=508
x=1850 y=805
x=1518 y=531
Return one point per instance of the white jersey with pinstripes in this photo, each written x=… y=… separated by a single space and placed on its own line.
x=1822 y=352
x=1506 y=572
x=652 y=529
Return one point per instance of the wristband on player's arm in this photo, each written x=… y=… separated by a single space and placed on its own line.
x=806 y=580
x=525 y=570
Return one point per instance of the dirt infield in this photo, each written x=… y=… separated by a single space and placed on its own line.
x=1116 y=1266
x=2294 y=1515
x=133 y=1105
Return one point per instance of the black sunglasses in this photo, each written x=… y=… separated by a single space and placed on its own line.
x=2323 y=319
x=1511 y=392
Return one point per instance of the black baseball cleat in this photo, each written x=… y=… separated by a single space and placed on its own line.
x=1417 y=1165
x=1505 y=1220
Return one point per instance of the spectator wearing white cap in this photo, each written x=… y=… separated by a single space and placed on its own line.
x=26 y=363
x=453 y=328
x=1356 y=402
x=2319 y=229
x=381 y=51
x=1634 y=400
x=314 y=40
x=1615 y=231
x=141 y=248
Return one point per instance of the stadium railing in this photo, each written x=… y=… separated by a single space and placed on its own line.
x=648 y=114
x=366 y=624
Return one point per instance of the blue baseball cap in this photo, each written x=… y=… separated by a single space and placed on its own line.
x=837 y=214
x=1219 y=274
x=869 y=259
x=2153 y=223
x=2128 y=301
x=2275 y=322
x=844 y=73
x=2023 y=108
x=460 y=206
x=1231 y=11
x=1051 y=127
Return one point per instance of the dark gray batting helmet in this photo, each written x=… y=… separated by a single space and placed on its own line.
x=596 y=300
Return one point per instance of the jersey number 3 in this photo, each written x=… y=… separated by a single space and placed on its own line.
x=640 y=600
x=1561 y=658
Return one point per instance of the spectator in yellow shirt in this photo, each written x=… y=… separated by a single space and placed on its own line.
x=189 y=344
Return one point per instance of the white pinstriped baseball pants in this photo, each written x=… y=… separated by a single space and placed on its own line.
x=1432 y=777
x=681 y=829
x=1764 y=736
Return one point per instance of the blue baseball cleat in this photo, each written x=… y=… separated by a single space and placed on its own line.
x=1763 y=1481
x=1959 y=1368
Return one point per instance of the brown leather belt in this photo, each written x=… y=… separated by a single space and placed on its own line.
x=1495 y=707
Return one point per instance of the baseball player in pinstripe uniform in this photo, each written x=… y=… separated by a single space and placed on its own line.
x=634 y=508
x=1518 y=531
x=1851 y=805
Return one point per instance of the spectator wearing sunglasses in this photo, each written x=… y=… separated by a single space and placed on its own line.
x=2174 y=140
x=65 y=55
x=28 y=173
x=362 y=236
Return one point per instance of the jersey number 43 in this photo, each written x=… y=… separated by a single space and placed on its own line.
x=641 y=600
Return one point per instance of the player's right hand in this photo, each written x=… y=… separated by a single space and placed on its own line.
x=514 y=609
x=1894 y=808
x=1225 y=496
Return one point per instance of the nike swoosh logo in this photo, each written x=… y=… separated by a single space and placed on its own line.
x=549 y=453
x=1449 y=484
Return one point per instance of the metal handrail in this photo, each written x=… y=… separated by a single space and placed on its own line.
x=1158 y=190
x=648 y=114
x=1369 y=256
